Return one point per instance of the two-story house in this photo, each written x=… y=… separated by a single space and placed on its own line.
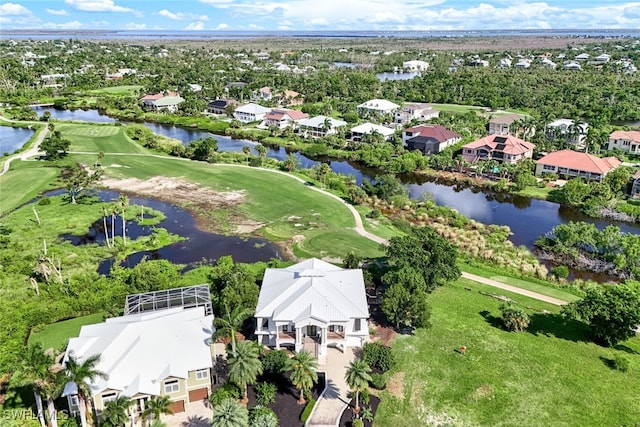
x=250 y=112
x=429 y=139
x=359 y=131
x=377 y=107
x=503 y=124
x=415 y=111
x=570 y=163
x=312 y=305
x=166 y=101
x=282 y=118
x=568 y=130
x=503 y=148
x=625 y=140
x=319 y=126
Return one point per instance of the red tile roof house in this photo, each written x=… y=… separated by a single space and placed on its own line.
x=569 y=163
x=625 y=140
x=429 y=139
x=282 y=118
x=503 y=148
x=162 y=101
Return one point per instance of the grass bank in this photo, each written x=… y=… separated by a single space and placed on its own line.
x=551 y=375
x=56 y=335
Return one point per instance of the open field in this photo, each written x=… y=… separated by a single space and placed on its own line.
x=23 y=182
x=57 y=334
x=549 y=376
x=96 y=138
x=117 y=90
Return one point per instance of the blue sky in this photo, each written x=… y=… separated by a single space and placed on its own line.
x=319 y=14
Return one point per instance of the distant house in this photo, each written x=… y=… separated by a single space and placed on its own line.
x=157 y=353
x=602 y=58
x=319 y=126
x=368 y=128
x=571 y=65
x=504 y=63
x=523 y=63
x=415 y=65
x=502 y=125
x=310 y=306
x=264 y=94
x=166 y=101
x=575 y=134
x=195 y=87
x=415 y=111
x=234 y=85
x=290 y=98
x=250 y=112
x=219 y=106
x=503 y=148
x=547 y=63
x=625 y=140
x=282 y=118
x=635 y=187
x=582 y=57
x=429 y=139
x=377 y=107
x=478 y=62
x=569 y=163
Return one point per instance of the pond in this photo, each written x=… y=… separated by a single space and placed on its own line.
x=198 y=246
x=12 y=139
x=88 y=115
x=383 y=77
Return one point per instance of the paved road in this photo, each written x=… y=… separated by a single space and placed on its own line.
x=31 y=152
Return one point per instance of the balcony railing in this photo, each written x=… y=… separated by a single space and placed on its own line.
x=286 y=335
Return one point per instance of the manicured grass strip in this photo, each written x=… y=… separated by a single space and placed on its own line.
x=551 y=375
x=96 y=138
x=23 y=182
x=57 y=334
x=124 y=89
x=550 y=290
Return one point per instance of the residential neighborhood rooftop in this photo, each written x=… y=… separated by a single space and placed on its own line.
x=508 y=144
x=571 y=159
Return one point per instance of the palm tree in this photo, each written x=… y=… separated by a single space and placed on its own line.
x=83 y=373
x=326 y=125
x=247 y=152
x=228 y=325
x=124 y=202
x=115 y=412
x=105 y=213
x=322 y=170
x=357 y=377
x=34 y=371
x=229 y=413
x=291 y=162
x=155 y=407
x=244 y=365
x=303 y=372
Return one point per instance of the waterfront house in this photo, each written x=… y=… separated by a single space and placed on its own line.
x=503 y=148
x=319 y=126
x=250 y=112
x=378 y=107
x=625 y=140
x=220 y=105
x=570 y=163
x=415 y=66
x=415 y=111
x=282 y=118
x=369 y=128
x=312 y=305
x=504 y=124
x=166 y=352
x=429 y=139
x=164 y=101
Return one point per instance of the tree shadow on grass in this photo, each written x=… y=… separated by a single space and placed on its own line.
x=494 y=321
x=609 y=363
x=553 y=324
x=626 y=349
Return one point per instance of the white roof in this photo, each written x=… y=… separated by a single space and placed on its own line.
x=252 y=108
x=379 y=105
x=370 y=127
x=312 y=289
x=318 y=121
x=139 y=351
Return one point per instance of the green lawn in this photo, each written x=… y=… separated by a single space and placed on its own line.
x=549 y=376
x=23 y=182
x=117 y=90
x=96 y=138
x=57 y=334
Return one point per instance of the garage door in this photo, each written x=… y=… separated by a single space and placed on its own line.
x=177 y=407
x=199 y=394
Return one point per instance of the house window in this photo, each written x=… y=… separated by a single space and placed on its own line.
x=357 y=325
x=202 y=374
x=285 y=328
x=626 y=143
x=171 y=386
x=74 y=400
x=265 y=323
x=107 y=397
x=549 y=167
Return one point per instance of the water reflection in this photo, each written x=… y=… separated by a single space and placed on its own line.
x=12 y=139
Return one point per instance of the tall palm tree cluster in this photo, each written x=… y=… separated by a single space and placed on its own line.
x=41 y=370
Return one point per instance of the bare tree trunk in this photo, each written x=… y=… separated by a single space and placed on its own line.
x=35 y=212
x=113 y=217
x=53 y=414
x=124 y=229
x=82 y=406
x=106 y=230
x=39 y=408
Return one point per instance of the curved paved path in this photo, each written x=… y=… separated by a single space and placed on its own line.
x=33 y=151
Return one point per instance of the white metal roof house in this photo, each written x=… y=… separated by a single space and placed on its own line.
x=250 y=112
x=153 y=353
x=312 y=305
x=319 y=126
x=368 y=128
x=378 y=106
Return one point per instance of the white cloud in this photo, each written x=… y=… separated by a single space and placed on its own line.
x=134 y=26
x=71 y=25
x=222 y=26
x=13 y=9
x=100 y=24
x=57 y=12
x=180 y=16
x=195 y=26
x=97 y=6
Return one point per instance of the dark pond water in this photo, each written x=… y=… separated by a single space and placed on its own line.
x=396 y=76
x=198 y=246
x=89 y=115
x=12 y=139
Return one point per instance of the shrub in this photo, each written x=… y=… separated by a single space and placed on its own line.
x=560 y=271
x=378 y=356
x=514 y=318
x=44 y=201
x=261 y=416
x=306 y=412
x=227 y=391
x=378 y=381
x=621 y=363
x=266 y=393
x=275 y=362
x=357 y=423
